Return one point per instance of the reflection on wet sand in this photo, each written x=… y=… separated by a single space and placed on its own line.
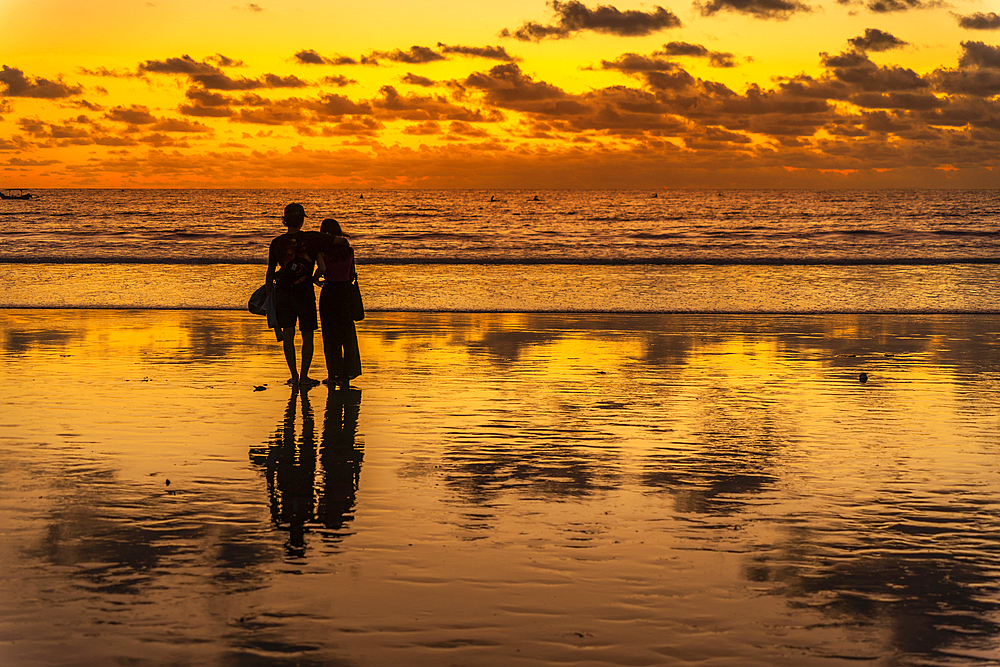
x=536 y=489
x=299 y=500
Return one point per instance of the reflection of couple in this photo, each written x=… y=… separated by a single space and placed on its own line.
x=291 y=260
x=298 y=501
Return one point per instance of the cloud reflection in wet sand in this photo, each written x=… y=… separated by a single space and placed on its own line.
x=534 y=488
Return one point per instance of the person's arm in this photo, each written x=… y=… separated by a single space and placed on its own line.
x=269 y=278
x=320 y=269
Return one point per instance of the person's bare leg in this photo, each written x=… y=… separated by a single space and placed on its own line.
x=307 y=356
x=288 y=342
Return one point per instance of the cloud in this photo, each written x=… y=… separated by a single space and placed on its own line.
x=506 y=86
x=183 y=65
x=311 y=57
x=889 y=6
x=488 y=52
x=104 y=72
x=761 y=9
x=415 y=55
x=856 y=69
x=427 y=128
x=393 y=105
x=573 y=17
x=979 y=21
x=876 y=40
x=416 y=80
x=223 y=61
x=978 y=54
x=19 y=85
x=633 y=62
x=212 y=77
x=974 y=82
x=340 y=81
x=715 y=58
x=134 y=115
x=338 y=105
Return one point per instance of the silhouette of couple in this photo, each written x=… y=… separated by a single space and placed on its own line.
x=296 y=261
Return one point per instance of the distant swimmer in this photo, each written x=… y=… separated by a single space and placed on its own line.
x=361 y=197
x=492 y=198
x=655 y=195
x=536 y=198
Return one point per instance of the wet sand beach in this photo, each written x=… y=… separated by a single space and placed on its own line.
x=501 y=489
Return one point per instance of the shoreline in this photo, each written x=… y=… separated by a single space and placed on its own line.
x=946 y=288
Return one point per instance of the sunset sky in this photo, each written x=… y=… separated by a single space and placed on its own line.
x=523 y=93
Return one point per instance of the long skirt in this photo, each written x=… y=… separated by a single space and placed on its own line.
x=340 y=339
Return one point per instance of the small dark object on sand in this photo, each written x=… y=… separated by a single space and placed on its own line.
x=863 y=378
x=259 y=387
x=168 y=482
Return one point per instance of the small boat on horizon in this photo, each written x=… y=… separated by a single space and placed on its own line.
x=21 y=194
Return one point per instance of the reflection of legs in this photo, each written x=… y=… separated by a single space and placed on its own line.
x=352 y=356
x=331 y=347
x=288 y=343
x=307 y=356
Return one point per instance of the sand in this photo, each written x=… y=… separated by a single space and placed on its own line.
x=500 y=489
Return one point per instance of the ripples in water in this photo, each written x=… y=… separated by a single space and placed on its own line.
x=500 y=489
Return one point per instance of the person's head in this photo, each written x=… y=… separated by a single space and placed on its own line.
x=294 y=216
x=332 y=227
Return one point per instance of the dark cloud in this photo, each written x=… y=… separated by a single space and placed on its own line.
x=488 y=52
x=979 y=21
x=19 y=85
x=876 y=40
x=762 y=9
x=854 y=68
x=633 y=62
x=338 y=105
x=973 y=82
x=223 y=61
x=311 y=57
x=134 y=115
x=507 y=86
x=978 y=54
x=427 y=128
x=715 y=58
x=206 y=104
x=889 y=6
x=394 y=105
x=340 y=81
x=104 y=72
x=416 y=80
x=221 y=81
x=415 y=55
x=183 y=65
x=901 y=101
x=573 y=17
x=177 y=125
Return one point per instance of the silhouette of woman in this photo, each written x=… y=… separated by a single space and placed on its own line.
x=334 y=272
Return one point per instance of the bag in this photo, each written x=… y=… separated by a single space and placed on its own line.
x=355 y=306
x=256 y=304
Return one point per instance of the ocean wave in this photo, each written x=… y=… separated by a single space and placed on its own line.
x=534 y=261
x=559 y=311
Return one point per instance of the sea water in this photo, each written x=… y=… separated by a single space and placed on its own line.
x=528 y=251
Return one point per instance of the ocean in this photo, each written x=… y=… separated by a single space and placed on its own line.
x=766 y=251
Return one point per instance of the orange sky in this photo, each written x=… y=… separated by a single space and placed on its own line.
x=314 y=93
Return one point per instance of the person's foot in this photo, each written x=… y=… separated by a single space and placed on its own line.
x=308 y=382
x=292 y=382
